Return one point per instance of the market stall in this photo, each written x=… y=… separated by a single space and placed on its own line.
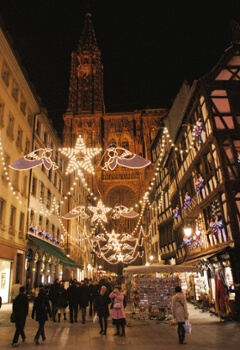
x=153 y=287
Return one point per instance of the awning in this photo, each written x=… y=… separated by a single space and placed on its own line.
x=159 y=269
x=55 y=251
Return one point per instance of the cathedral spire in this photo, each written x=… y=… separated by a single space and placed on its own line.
x=87 y=40
x=86 y=80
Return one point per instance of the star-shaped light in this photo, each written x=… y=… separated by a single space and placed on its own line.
x=80 y=156
x=99 y=212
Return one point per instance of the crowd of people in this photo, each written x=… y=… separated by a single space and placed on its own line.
x=53 y=301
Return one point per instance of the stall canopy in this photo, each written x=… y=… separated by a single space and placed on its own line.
x=55 y=251
x=159 y=269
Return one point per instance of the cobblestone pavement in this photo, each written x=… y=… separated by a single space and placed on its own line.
x=208 y=333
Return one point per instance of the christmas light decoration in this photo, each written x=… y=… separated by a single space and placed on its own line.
x=176 y=212
x=31 y=160
x=80 y=156
x=120 y=210
x=199 y=184
x=76 y=212
x=125 y=158
x=99 y=212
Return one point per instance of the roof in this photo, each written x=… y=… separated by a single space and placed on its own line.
x=144 y=269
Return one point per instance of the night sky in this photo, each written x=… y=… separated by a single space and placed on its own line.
x=148 y=46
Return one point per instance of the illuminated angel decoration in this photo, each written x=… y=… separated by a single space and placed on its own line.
x=99 y=212
x=80 y=156
x=125 y=158
x=76 y=212
x=32 y=160
x=120 y=210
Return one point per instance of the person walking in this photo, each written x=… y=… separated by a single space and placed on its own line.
x=83 y=299
x=72 y=298
x=15 y=290
x=20 y=308
x=118 y=312
x=180 y=312
x=102 y=306
x=61 y=302
x=53 y=295
x=41 y=308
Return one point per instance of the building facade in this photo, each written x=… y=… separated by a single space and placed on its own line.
x=197 y=176
x=113 y=133
x=33 y=237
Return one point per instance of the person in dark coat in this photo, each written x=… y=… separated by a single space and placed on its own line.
x=53 y=295
x=72 y=298
x=83 y=299
x=20 y=308
x=102 y=306
x=93 y=291
x=61 y=302
x=41 y=308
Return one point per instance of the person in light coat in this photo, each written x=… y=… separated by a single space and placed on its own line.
x=118 y=312
x=180 y=312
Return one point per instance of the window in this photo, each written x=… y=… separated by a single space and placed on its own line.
x=19 y=139
x=34 y=186
x=48 y=199
x=10 y=126
x=41 y=191
x=2 y=211
x=23 y=105
x=30 y=118
x=12 y=217
x=21 y=226
x=24 y=184
x=1 y=113
x=15 y=90
x=5 y=74
x=15 y=180
x=125 y=144
x=38 y=128
x=27 y=147
x=45 y=138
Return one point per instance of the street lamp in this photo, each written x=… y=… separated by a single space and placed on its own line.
x=187 y=231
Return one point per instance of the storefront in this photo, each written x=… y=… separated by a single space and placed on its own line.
x=5 y=276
